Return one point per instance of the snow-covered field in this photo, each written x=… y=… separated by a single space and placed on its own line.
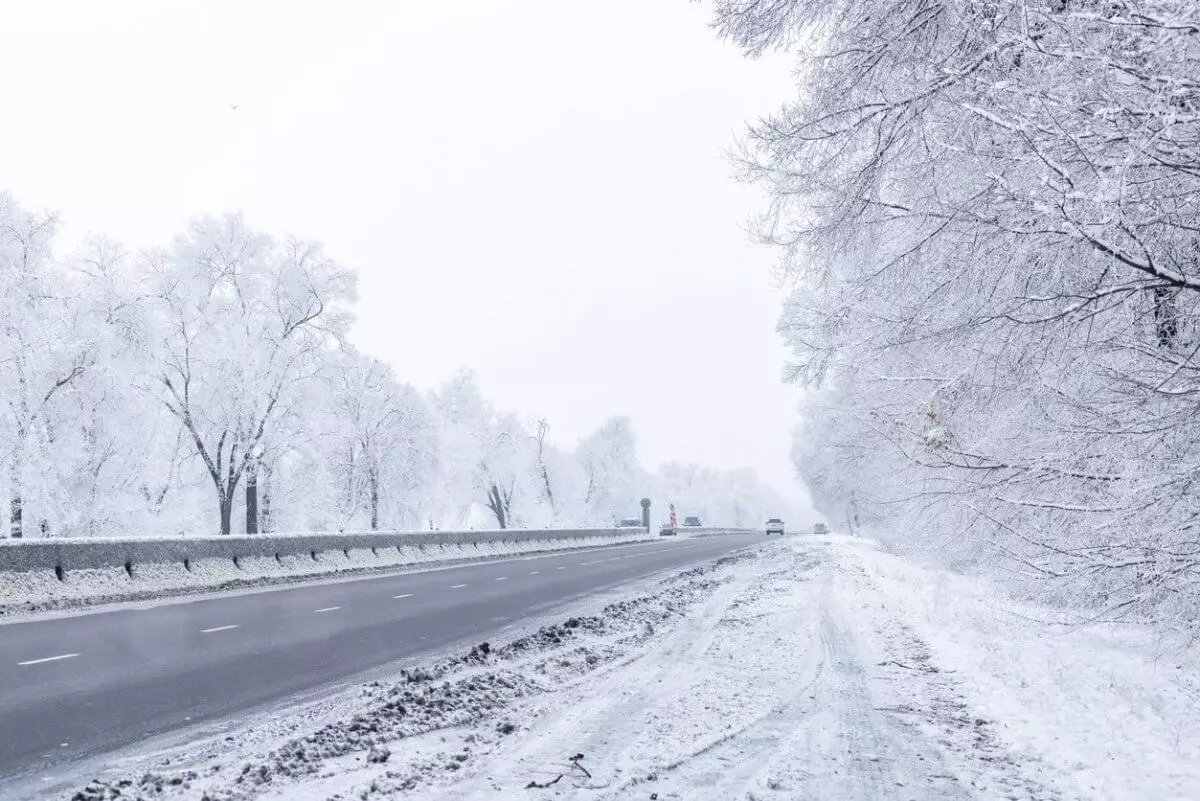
x=817 y=668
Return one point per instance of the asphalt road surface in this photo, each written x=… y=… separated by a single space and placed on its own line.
x=84 y=685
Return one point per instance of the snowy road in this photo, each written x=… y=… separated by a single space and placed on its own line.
x=802 y=668
x=85 y=684
x=826 y=669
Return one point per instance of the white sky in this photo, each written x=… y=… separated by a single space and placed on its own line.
x=534 y=190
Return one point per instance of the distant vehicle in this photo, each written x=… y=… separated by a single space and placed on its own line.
x=691 y=521
x=629 y=522
x=820 y=528
x=666 y=530
x=774 y=526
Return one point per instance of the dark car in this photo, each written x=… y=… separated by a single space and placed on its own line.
x=666 y=530
x=774 y=526
x=691 y=521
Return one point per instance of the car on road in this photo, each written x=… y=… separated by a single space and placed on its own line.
x=691 y=521
x=820 y=528
x=666 y=530
x=774 y=526
x=629 y=522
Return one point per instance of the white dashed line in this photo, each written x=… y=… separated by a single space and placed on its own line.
x=47 y=659
x=218 y=628
x=560 y=567
x=502 y=578
x=405 y=595
x=328 y=609
x=457 y=586
x=509 y=626
x=534 y=572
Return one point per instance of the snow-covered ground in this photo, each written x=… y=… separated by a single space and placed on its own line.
x=817 y=668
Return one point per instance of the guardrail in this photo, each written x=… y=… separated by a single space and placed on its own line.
x=64 y=555
x=713 y=531
x=56 y=572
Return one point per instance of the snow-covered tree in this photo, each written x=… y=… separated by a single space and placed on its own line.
x=382 y=445
x=242 y=321
x=735 y=498
x=139 y=387
x=42 y=356
x=989 y=213
x=611 y=471
x=462 y=416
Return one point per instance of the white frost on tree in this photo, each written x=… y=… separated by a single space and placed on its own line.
x=208 y=386
x=242 y=321
x=990 y=214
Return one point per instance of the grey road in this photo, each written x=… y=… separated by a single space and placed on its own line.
x=79 y=686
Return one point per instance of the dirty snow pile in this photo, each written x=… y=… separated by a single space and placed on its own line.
x=817 y=668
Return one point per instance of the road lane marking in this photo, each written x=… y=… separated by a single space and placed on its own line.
x=219 y=628
x=534 y=572
x=502 y=578
x=457 y=586
x=405 y=595
x=46 y=659
x=561 y=567
x=329 y=609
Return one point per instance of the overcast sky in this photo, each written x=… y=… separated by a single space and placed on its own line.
x=534 y=190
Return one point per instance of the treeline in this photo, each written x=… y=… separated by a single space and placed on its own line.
x=991 y=213
x=208 y=386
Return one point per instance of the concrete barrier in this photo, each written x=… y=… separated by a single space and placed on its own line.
x=50 y=573
x=711 y=531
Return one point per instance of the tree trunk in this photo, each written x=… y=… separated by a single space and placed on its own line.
x=374 y=480
x=265 y=516
x=225 y=502
x=546 y=486
x=542 y=428
x=496 y=504
x=252 y=502
x=15 y=515
x=15 y=504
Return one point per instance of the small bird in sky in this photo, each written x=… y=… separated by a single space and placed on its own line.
x=235 y=108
